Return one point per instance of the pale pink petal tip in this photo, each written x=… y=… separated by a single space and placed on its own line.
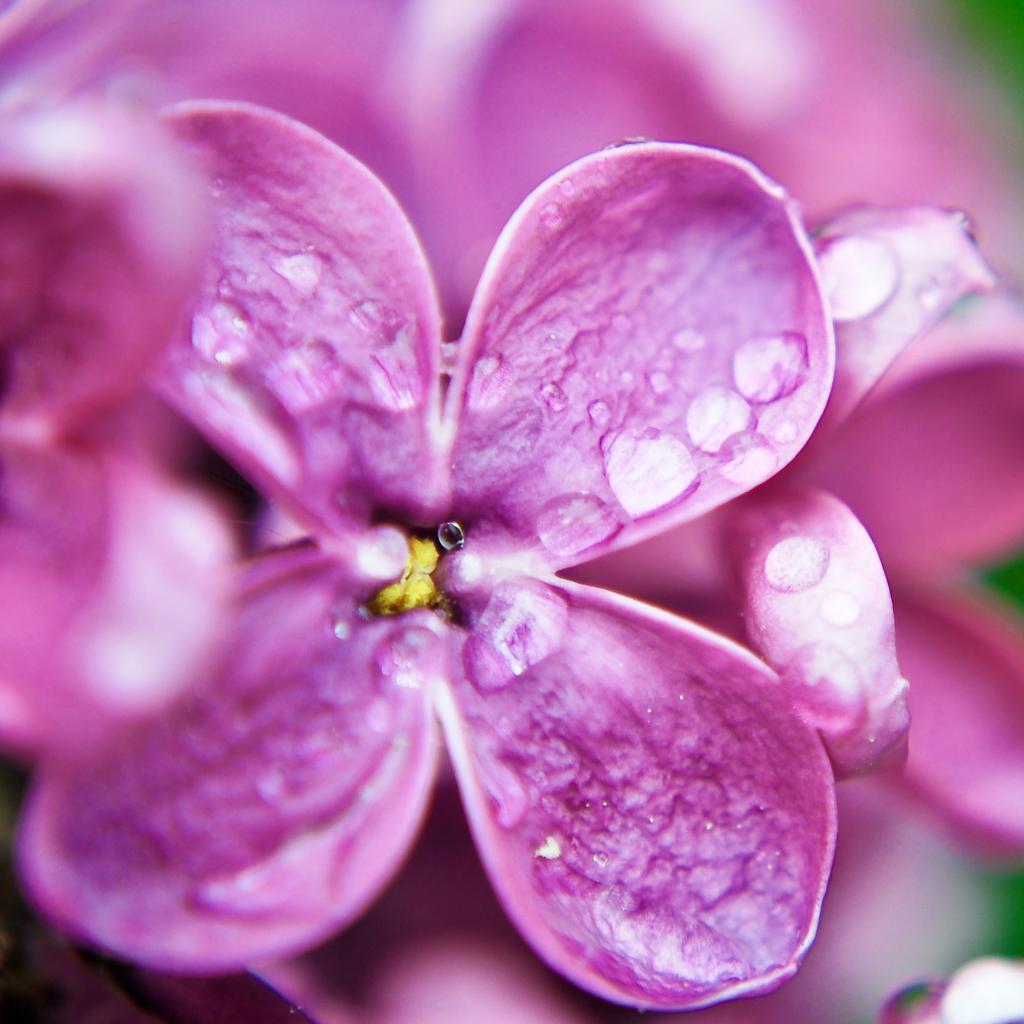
x=818 y=609
x=965 y=660
x=102 y=229
x=655 y=819
x=267 y=809
x=889 y=275
x=648 y=341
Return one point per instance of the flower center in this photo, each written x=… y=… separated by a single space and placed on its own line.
x=416 y=588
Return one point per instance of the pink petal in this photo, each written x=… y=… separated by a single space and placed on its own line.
x=656 y=821
x=935 y=471
x=266 y=810
x=965 y=661
x=312 y=355
x=889 y=275
x=113 y=598
x=818 y=609
x=100 y=229
x=647 y=342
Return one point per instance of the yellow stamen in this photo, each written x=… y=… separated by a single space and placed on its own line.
x=416 y=588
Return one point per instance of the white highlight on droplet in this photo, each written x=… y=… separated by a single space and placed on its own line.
x=550 y=850
x=796 y=564
x=840 y=608
x=715 y=415
x=648 y=469
x=860 y=275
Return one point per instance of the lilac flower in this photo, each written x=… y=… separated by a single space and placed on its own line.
x=655 y=818
x=109 y=568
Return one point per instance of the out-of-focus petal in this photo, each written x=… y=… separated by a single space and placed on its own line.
x=936 y=471
x=648 y=341
x=965 y=663
x=818 y=609
x=889 y=275
x=268 y=807
x=312 y=353
x=101 y=225
x=656 y=820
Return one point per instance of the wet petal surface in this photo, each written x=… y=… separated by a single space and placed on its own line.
x=655 y=819
x=267 y=809
x=312 y=354
x=647 y=341
x=818 y=609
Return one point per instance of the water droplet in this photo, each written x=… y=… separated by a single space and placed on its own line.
x=860 y=275
x=626 y=377
x=366 y=316
x=404 y=657
x=747 y=459
x=379 y=717
x=272 y=787
x=599 y=414
x=550 y=850
x=648 y=469
x=302 y=271
x=451 y=536
x=796 y=564
x=784 y=432
x=659 y=382
x=769 y=368
x=554 y=397
x=930 y=294
x=840 y=608
x=342 y=630
x=601 y=859
x=572 y=523
x=381 y=553
x=688 y=340
x=490 y=382
x=551 y=215
x=524 y=623
x=222 y=334
x=715 y=415
x=567 y=187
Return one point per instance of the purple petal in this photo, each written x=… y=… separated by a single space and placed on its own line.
x=890 y=275
x=312 y=354
x=113 y=599
x=655 y=819
x=267 y=809
x=647 y=342
x=935 y=471
x=818 y=610
x=965 y=662
x=100 y=229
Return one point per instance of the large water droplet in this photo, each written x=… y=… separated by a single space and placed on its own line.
x=302 y=271
x=572 y=523
x=715 y=415
x=796 y=564
x=523 y=623
x=451 y=536
x=747 y=459
x=554 y=397
x=648 y=469
x=405 y=657
x=840 y=608
x=860 y=275
x=222 y=334
x=766 y=369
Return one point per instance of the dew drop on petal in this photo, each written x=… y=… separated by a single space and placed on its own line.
x=748 y=459
x=567 y=186
x=688 y=340
x=860 y=275
x=551 y=215
x=302 y=271
x=222 y=334
x=648 y=469
x=341 y=629
x=715 y=415
x=571 y=523
x=768 y=368
x=599 y=414
x=840 y=608
x=785 y=431
x=796 y=564
x=451 y=536
x=523 y=623
x=554 y=397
